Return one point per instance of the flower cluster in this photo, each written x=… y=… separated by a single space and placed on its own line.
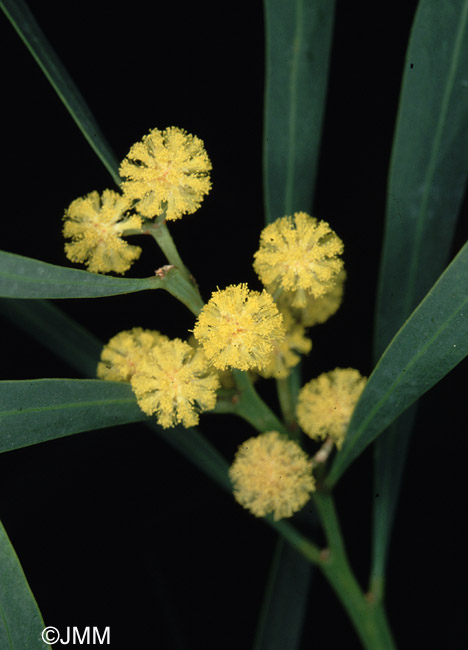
x=170 y=378
x=167 y=176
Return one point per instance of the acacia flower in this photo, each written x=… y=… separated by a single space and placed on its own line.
x=285 y=354
x=316 y=310
x=96 y=225
x=299 y=254
x=175 y=382
x=122 y=355
x=239 y=328
x=167 y=171
x=325 y=405
x=271 y=474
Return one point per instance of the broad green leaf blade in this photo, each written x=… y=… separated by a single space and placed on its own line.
x=426 y=183
x=282 y=616
x=429 y=165
x=31 y=34
x=56 y=331
x=45 y=409
x=427 y=347
x=298 y=44
x=24 y=277
x=21 y=622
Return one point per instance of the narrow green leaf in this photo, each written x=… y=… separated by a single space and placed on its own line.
x=283 y=610
x=23 y=277
x=426 y=184
x=427 y=347
x=429 y=164
x=44 y=409
x=21 y=622
x=298 y=44
x=56 y=331
x=31 y=34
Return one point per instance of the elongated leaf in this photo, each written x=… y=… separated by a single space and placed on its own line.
x=23 y=277
x=429 y=165
x=427 y=347
x=44 y=409
x=21 y=623
x=56 y=331
x=426 y=183
x=298 y=40
x=282 y=615
x=26 y=26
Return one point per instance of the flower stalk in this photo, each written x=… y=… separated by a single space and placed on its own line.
x=160 y=233
x=367 y=616
x=287 y=390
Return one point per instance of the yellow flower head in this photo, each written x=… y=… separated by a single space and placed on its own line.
x=271 y=474
x=239 y=328
x=167 y=171
x=175 y=382
x=121 y=357
x=96 y=225
x=326 y=404
x=285 y=353
x=316 y=310
x=299 y=254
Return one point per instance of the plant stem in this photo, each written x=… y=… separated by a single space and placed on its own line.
x=186 y=289
x=160 y=232
x=367 y=616
x=176 y=283
x=302 y=544
x=288 y=390
x=250 y=406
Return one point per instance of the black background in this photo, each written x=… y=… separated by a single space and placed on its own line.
x=113 y=527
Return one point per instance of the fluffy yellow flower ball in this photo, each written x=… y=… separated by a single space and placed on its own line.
x=168 y=171
x=95 y=225
x=325 y=405
x=174 y=382
x=299 y=255
x=239 y=328
x=123 y=353
x=272 y=474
